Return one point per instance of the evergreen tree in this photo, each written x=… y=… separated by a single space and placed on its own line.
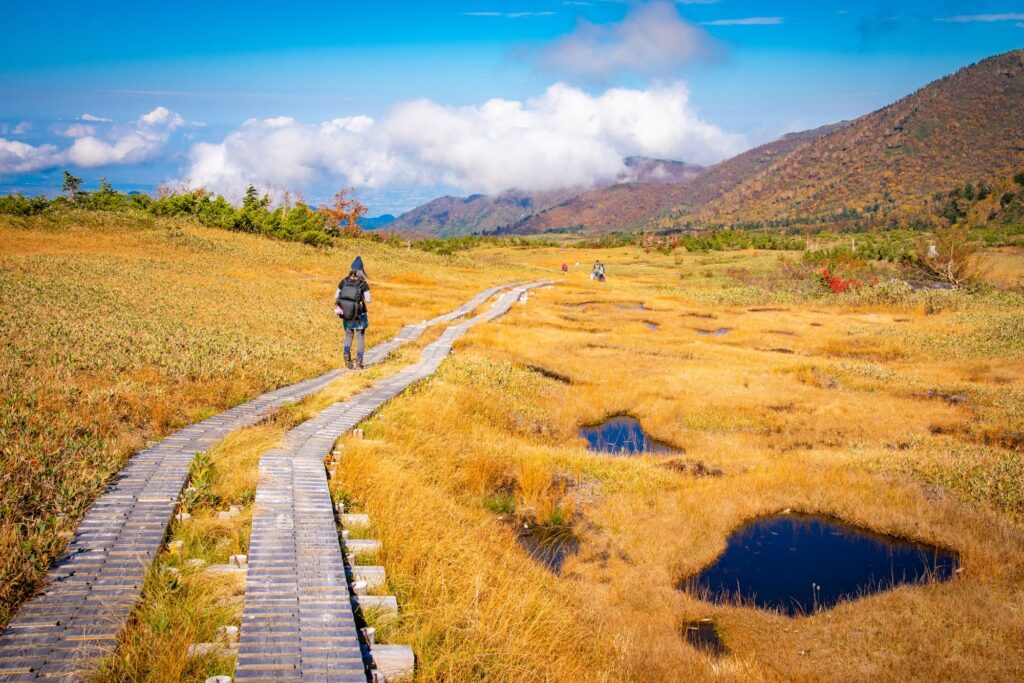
x=72 y=185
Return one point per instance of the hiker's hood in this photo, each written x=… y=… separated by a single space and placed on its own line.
x=357 y=265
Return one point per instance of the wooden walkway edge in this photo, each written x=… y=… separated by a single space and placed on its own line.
x=62 y=632
x=298 y=622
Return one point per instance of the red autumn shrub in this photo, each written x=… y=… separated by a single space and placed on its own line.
x=835 y=283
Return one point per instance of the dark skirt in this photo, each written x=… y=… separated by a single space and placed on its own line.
x=357 y=324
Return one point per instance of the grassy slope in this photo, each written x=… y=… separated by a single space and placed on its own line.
x=117 y=330
x=965 y=127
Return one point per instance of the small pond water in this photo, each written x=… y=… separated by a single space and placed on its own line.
x=651 y=326
x=704 y=636
x=551 y=551
x=631 y=307
x=622 y=435
x=714 y=333
x=799 y=564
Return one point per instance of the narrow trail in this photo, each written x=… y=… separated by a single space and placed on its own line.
x=90 y=592
x=298 y=622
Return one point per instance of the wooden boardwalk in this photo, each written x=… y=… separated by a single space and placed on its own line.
x=298 y=622
x=90 y=592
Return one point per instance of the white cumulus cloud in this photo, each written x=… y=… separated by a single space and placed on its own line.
x=566 y=137
x=652 y=40
x=162 y=117
x=138 y=141
x=94 y=119
x=78 y=130
x=19 y=157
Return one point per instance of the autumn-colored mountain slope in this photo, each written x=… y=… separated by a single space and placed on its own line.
x=964 y=127
x=629 y=206
x=448 y=215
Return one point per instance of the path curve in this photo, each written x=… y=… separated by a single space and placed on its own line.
x=298 y=622
x=62 y=632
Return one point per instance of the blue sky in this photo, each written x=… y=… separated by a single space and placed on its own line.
x=736 y=72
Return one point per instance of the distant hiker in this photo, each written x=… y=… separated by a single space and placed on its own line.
x=565 y=267
x=350 y=301
x=598 y=273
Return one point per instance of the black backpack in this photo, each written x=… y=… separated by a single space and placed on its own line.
x=350 y=298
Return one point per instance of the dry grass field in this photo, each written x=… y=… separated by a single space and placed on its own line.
x=116 y=331
x=904 y=419
x=899 y=412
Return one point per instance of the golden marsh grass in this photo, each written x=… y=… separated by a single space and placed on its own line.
x=901 y=414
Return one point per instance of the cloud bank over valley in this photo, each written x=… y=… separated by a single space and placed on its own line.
x=565 y=137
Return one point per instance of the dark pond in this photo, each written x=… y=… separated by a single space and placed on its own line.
x=799 y=564
x=717 y=333
x=703 y=636
x=549 y=550
x=623 y=435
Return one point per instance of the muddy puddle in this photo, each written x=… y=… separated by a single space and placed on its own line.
x=800 y=564
x=550 y=374
x=714 y=333
x=551 y=550
x=703 y=636
x=622 y=435
x=631 y=307
x=653 y=327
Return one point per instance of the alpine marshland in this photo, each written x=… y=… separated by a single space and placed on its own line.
x=776 y=434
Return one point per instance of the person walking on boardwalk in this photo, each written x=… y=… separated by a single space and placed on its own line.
x=350 y=300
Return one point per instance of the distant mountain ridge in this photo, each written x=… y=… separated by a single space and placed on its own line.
x=630 y=206
x=376 y=222
x=963 y=127
x=448 y=215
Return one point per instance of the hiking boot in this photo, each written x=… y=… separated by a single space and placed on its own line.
x=348 y=359
x=359 y=362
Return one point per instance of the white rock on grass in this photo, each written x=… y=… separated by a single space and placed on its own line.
x=227 y=633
